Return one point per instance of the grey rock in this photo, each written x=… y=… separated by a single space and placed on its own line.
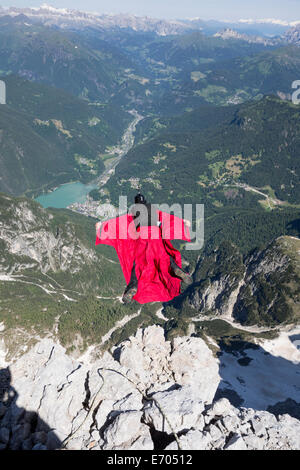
x=193 y=440
x=52 y=443
x=105 y=408
x=39 y=447
x=78 y=443
x=95 y=446
x=4 y=435
x=53 y=385
x=221 y=426
x=254 y=442
x=27 y=444
x=289 y=431
x=182 y=409
x=214 y=432
x=3 y=410
x=133 y=401
x=124 y=432
x=200 y=423
x=207 y=419
x=193 y=363
x=220 y=443
x=258 y=427
x=245 y=429
x=267 y=419
x=39 y=437
x=222 y=407
x=231 y=423
x=236 y=443
x=95 y=436
x=143 y=442
x=26 y=431
x=245 y=414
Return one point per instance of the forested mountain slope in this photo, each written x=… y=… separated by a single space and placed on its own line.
x=49 y=137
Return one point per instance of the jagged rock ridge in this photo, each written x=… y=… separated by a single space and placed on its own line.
x=53 y=399
x=69 y=18
x=229 y=33
x=293 y=35
x=261 y=289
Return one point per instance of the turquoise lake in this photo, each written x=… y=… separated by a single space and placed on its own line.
x=65 y=195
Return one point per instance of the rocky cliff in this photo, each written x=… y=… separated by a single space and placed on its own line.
x=259 y=289
x=27 y=233
x=146 y=393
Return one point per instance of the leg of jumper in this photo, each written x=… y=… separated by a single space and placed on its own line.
x=178 y=272
x=173 y=263
x=133 y=279
x=132 y=286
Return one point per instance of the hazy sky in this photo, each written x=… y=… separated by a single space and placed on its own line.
x=206 y=9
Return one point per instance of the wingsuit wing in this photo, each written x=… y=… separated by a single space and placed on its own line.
x=173 y=227
x=116 y=233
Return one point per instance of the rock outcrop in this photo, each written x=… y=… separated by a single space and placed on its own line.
x=229 y=33
x=146 y=393
x=30 y=239
x=293 y=35
x=228 y=285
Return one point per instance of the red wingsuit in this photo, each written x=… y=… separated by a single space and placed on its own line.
x=150 y=248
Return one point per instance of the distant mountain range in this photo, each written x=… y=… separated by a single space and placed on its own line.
x=74 y=19
x=67 y=19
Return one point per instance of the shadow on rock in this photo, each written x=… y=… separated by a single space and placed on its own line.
x=21 y=429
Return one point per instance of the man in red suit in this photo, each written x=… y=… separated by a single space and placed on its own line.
x=150 y=264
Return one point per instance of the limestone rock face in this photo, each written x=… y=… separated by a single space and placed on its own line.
x=147 y=392
x=233 y=292
x=27 y=234
x=182 y=407
x=147 y=356
x=126 y=431
x=193 y=363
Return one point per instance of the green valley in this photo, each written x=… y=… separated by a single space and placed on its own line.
x=49 y=137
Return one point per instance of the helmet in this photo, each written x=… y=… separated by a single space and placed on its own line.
x=139 y=199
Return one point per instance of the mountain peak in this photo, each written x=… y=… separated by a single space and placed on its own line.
x=274 y=21
x=229 y=33
x=293 y=35
x=64 y=18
